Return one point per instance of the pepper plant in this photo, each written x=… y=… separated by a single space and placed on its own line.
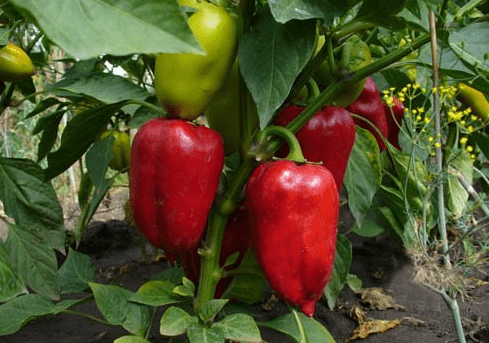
x=189 y=183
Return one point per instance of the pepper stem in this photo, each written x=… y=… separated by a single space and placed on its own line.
x=295 y=153
x=312 y=90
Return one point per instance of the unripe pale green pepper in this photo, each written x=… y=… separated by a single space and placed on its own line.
x=355 y=54
x=474 y=99
x=224 y=110
x=121 y=149
x=186 y=83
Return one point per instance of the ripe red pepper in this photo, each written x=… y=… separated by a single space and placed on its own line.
x=293 y=211
x=327 y=137
x=394 y=116
x=237 y=239
x=370 y=106
x=174 y=175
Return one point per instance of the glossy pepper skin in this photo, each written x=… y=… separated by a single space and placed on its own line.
x=15 y=64
x=237 y=239
x=474 y=99
x=224 y=110
x=355 y=54
x=186 y=83
x=328 y=137
x=293 y=211
x=394 y=116
x=370 y=106
x=174 y=175
x=121 y=149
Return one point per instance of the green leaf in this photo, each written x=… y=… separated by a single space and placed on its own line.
x=17 y=312
x=32 y=257
x=416 y=15
x=29 y=199
x=211 y=308
x=131 y=339
x=457 y=196
x=173 y=275
x=11 y=284
x=113 y=302
x=43 y=105
x=107 y=88
x=482 y=142
x=115 y=27
x=283 y=50
x=248 y=281
x=363 y=174
x=49 y=126
x=286 y=10
x=412 y=181
x=176 y=321
x=239 y=327
x=75 y=273
x=382 y=12
x=65 y=304
x=156 y=293
x=97 y=160
x=354 y=282
x=185 y=290
x=78 y=135
x=341 y=269
x=197 y=333
x=314 y=330
x=471 y=44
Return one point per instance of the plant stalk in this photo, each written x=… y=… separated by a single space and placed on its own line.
x=451 y=302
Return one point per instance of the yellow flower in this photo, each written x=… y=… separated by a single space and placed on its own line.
x=426 y=120
x=435 y=90
x=421 y=109
x=418 y=117
x=473 y=117
x=470 y=129
x=389 y=101
x=463 y=140
x=437 y=144
x=469 y=148
x=431 y=139
x=415 y=111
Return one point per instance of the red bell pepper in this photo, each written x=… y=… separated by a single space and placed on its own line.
x=369 y=105
x=174 y=175
x=327 y=137
x=293 y=211
x=394 y=116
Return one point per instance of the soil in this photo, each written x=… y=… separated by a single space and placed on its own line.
x=378 y=262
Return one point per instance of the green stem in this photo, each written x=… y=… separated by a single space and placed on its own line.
x=81 y=223
x=295 y=153
x=210 y=272
x=353 y=78
x=438 y=151
x=453 y=305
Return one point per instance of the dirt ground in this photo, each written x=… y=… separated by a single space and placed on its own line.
x=379 y=262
